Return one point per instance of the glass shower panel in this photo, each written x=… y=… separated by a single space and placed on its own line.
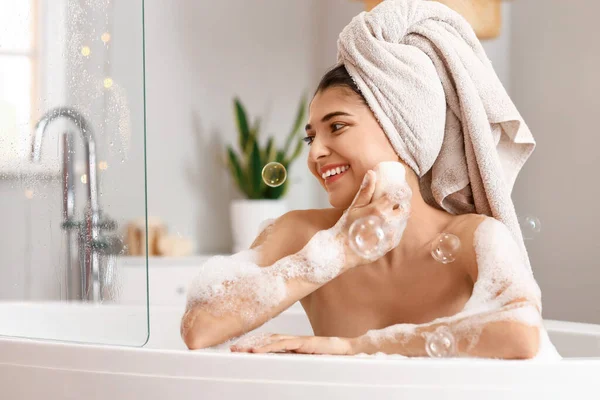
x=72 y=169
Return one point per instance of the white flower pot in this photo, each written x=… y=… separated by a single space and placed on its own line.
x=247 y=217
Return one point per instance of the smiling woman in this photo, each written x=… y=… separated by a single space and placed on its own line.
x=485 y=320
x=416 y=149
x=340 y=124
x=385 y=143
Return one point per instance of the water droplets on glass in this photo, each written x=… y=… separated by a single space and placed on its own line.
x=366 y=237
x=445 y=247
x=274 y=174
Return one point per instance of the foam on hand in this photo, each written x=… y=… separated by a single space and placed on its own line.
x=237 y=283
x=504 y=290
x=238 y=278
x=391 y=180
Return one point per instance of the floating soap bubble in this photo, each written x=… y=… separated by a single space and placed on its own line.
x=440 y=343
x=530 y=226
x=274 y=174
x=366 y=236
x=445 y=247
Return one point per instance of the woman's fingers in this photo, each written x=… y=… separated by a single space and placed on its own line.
x=308 y=345
x=280 y=346
x=383 y=206
x=367 y=188
x=246 y=345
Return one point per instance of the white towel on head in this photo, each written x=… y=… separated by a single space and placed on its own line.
x=436 y=95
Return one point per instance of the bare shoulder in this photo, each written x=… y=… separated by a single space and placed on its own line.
x=486 y=236
x=465 y=227
x=289 y=233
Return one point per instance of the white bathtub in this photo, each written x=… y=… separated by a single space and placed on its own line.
x=158 y=366
x=164 y=369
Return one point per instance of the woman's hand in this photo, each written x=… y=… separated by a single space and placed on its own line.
x=388 y=210
x=298 y=344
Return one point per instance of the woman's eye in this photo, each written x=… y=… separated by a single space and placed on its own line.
x=336 y=127
x=308 y=140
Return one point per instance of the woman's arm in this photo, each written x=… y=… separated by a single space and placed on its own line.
x=501 y=320
x=503 y=317
x=511 y=332
x=233 y=295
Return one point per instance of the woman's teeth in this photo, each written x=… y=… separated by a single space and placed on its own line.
x=335 y=171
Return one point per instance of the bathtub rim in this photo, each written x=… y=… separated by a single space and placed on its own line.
x=30 y=355
x=477 y=374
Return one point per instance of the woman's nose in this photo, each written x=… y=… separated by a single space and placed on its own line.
x=318 y=149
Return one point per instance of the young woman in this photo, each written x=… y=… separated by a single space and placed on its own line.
x=485 y=303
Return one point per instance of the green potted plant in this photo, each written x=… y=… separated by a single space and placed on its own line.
x=261 y=202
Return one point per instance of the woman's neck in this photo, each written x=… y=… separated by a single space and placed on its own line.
x=424 y=224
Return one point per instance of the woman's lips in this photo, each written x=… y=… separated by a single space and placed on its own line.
x=336 y=177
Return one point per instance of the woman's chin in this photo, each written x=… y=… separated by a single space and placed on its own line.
x=338 y=201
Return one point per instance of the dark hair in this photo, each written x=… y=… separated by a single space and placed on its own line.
x=338 y=76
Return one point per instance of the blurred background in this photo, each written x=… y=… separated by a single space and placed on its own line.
x=199 y=56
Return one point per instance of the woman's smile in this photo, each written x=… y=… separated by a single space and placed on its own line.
x=333 y=172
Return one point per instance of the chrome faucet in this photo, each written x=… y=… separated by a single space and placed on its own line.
x=90 y=245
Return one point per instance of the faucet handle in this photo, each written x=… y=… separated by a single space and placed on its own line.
x=105 y=224
x=111 y=244
x=70 y=223
x=108 y=224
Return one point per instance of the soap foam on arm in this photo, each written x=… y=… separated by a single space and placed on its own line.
x=235 y=294
x=504 y=305
x=241 y=292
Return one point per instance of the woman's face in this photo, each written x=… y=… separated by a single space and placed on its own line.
x=343 y=133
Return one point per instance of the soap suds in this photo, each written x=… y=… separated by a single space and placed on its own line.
x=504 y=291
x=237 y=284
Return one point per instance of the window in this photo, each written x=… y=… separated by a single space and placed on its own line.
x=32 y=79
x=19 y=86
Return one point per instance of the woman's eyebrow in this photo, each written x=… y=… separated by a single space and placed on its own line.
x=328 y=117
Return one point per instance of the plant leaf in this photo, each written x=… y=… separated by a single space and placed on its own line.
x=236 y=169
x=268 y=153
x=242 y=124
x=280 y=156
x=256 y=127
x=255 y=172
x=276 y=192
x=254 y=131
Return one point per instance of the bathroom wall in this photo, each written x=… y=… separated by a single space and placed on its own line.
x=268 y=53
x=196 y=64
x=199 y=56
x=555 y=84
x=194 y=67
